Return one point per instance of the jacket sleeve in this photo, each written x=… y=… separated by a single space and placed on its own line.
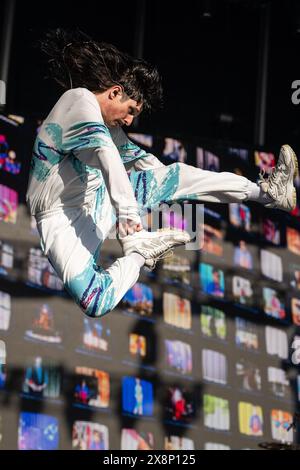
x=89 y=140
x=131 y=154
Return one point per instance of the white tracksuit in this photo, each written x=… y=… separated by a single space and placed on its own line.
x=78 y=183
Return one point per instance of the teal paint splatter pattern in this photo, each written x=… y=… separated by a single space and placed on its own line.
x=92 y=289
x=130 y=151
x=45 y=156
x=148 y=192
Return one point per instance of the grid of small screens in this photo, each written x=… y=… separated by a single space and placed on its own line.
x=202 y=353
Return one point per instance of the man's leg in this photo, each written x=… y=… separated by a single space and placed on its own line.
x=179 y=181
x=72 y=239
x=72 y=242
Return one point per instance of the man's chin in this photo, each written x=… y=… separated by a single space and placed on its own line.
x=113 y=124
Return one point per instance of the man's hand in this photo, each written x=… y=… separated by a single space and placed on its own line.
x=127 y=227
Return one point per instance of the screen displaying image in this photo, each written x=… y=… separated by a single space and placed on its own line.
x=8 y=157
x=214 y=366
x=38 y=431
x=42 y=379
x=177 y=269
x=5 y=310
x=276 y=342
x=216 y=413
x=8 y=204
x=295 y=276
x=248 y=375
x=6 y=258
x=295 y=347
x=137 y=345
x=295 y=309
x=211 y=240
x=92 y=387
x=250 y=419
x=246 y=334
x=174 y=150
x=11 y=165
x=178 y=443
x=271 y=265
x=271 y=231
x=212 y=280
x=96 y=335
x=134 y=440
x=141 y=347
x=243 y=154
x=14 y=120
x=180 y=406
x=273 y=304
x=139 y=299
x=242 y=256
x=265 y=161
x=280 y=422
x=207 y=160
x=177 y=311
x=1 y=431
x=137 y=396
x=240 y=216
x=40 y=271
x=3 y=375
x=178 y=356
x=215 y=446
x=278 y=382
x=3 y=352
x=293 y=240
x=242 y=290
x=143 y=139
x=213 y=322
x=89 y=436
x=43 y=327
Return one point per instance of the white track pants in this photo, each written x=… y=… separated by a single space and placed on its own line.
x=72 y=238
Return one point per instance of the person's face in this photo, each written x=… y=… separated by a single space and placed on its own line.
x=96 y=437
x=118 y=109
x=38 y=361
x=12 y=154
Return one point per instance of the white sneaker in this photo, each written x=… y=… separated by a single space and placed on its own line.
x=280 y=183
x=154 y=246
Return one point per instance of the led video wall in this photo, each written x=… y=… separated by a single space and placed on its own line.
x=200 y=354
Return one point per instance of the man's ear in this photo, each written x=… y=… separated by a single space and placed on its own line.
x=115 y=91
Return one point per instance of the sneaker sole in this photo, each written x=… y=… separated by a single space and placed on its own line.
x=289 y=150
x=178 y=243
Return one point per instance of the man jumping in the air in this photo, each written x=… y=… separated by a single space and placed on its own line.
x=79 y=186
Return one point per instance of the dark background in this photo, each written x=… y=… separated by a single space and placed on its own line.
x=209 y=64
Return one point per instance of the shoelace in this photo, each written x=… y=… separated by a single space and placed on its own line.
x=166 y=254
x=273 y=177
x=262 y=174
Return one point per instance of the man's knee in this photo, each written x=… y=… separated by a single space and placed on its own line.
x=95 y=297
x=100 y=312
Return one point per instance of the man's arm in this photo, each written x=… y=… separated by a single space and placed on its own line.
x=88 y=139
x=106 y=158
x=131 y=154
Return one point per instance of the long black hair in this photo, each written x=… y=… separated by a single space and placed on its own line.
x=76 y=60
